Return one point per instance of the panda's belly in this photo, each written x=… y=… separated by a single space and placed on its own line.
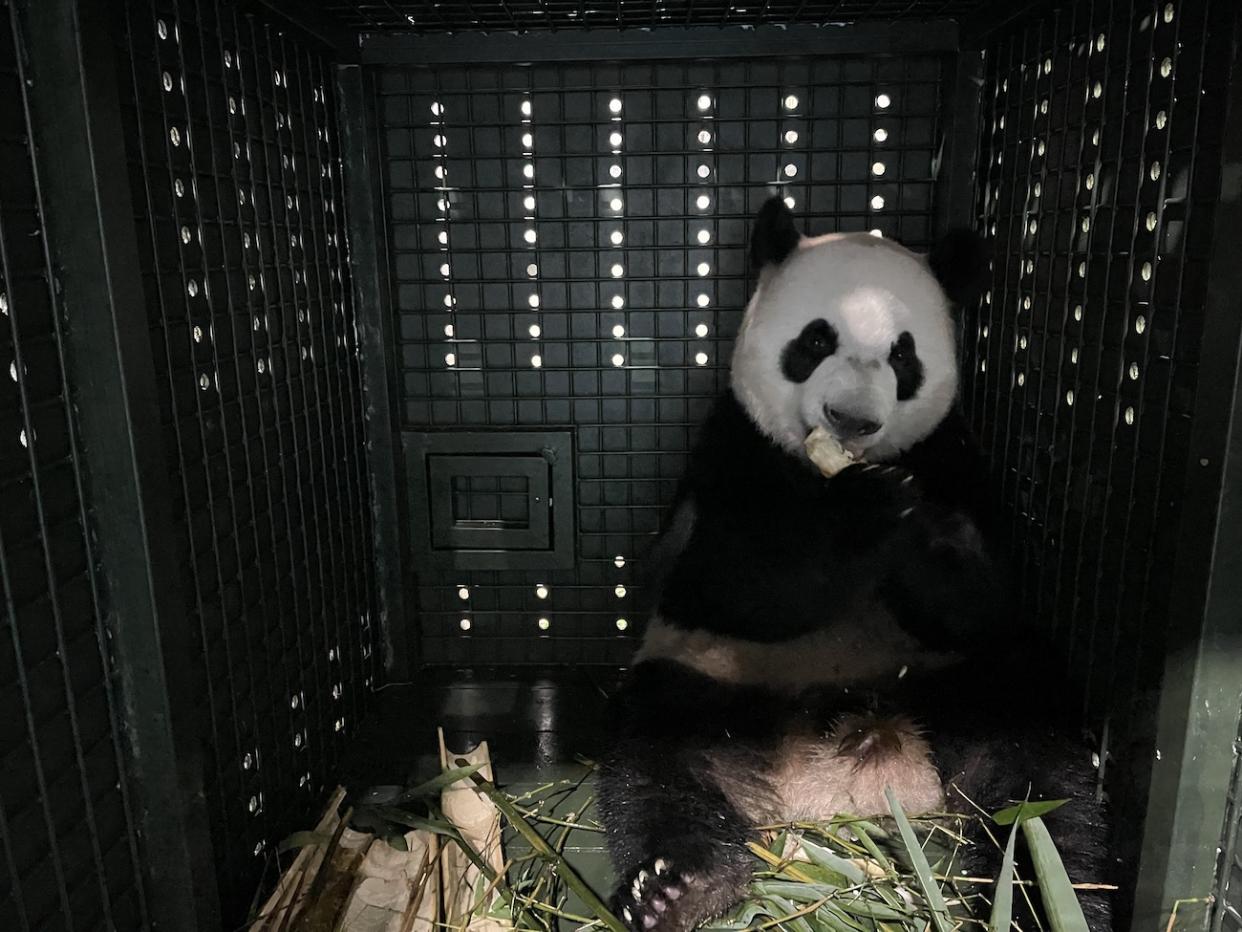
x=867 y=647
x=844 y=771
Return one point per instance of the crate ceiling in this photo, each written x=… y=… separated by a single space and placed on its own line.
x=525 y=15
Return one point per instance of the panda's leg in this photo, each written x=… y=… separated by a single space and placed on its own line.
x=992 y=768
x=678 y=844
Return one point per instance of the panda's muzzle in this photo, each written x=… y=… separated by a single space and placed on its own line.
x=849 y=426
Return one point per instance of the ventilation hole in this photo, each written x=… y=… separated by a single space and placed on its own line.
x=1096 y=90
x=179 y=188
x=536 y=361
x=791 y=102
x=533 y=300
x=530 y=236
x=703 y=268
x=1032 y=227
x=618 y=301
x=464 y=624
x=880 y=135
x=541 y=591
x=1155 y=171
x=1161 y=119
x=789 y=202
x=1082 y=270
x=436 y=108
x=883 y=101
x=438 y=140
x=791 y=136
x=1047 y=66
x=704 y=102
x=704 y=237
x=450 y=301
x=204 y=382
x=1074 y=356
x=618 y=360
x=445 y=270
x=1021 y=379
x=1140 y=324
x=704 y=137
x=450 y=359
x=1095 y=138
x=528 y=141
x=1043 y=106
x=1145 y=272
x=878 y=168
x=544 y=624
x=1086 y=224
x=1039 y=189
x=877 y=202
x=1166 y=67
x=618 y=271
x=619 y=592
x=704 y=171
x=1069 y=397
x=168 y=81
x=534 y=331
x=616 y=238
x=983 y=366
x=1078 y=307
x=618 y=331
x=175 y=135
x=703 y=202
x=442 y=236
x=615 y=139
x=1099 y=42
x=525 y=108
x=448 y=330
x=528 y=171
x=13 y=369
x=440 y=172
x=700 y=359
x=703 y=300
x=1129 y=416
x=622 y=624
x=1021 y=342
x=1168 y=12
x=614 y=171
x=1030 y=266
x=700 y=330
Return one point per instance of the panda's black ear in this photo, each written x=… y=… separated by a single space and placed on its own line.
x=774 y=236
x=959 y=260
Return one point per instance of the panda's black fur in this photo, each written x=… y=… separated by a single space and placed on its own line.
x=763 y=556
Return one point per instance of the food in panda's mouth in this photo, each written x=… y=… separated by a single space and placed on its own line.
x=826 y=452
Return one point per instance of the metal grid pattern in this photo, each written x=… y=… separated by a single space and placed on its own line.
x=522 y=15
x=68 y=848
x=236 y=179
x=1099 y=166
x=568 y=247
x=1227 y=916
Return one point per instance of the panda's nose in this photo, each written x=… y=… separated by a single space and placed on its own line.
x=848 y=425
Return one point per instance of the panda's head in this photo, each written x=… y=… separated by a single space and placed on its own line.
x=852 y=332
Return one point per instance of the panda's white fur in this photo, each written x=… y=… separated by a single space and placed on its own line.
x=870 y=289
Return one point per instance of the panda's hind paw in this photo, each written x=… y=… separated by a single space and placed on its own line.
x=649 y=901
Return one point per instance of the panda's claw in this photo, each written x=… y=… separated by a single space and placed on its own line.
x=650 y=901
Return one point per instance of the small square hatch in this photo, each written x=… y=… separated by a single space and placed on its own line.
x=491 y=500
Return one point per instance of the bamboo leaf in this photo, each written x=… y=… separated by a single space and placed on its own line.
x=931 y=892
x=1002 y=899
x=834 y=862
x=436 y=784
x=1027 y=810
x=303 y=840
x=1060 y=902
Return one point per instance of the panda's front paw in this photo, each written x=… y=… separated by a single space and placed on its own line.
x=877 y=495
x=650 y=899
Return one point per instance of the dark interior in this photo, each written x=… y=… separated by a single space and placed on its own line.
x=356 y=348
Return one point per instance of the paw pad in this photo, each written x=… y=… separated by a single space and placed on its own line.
x=650 y=898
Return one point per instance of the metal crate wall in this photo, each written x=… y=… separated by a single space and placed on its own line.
x=69 y=855
x=236 y=181
x=1099 y=169
x=568 y=251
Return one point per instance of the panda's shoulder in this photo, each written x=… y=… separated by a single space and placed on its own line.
x=732 y=453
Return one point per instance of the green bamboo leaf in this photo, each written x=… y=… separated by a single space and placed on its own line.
x=1055 y=891
x=436 y=784
x=864 y=838
x=931 y=892
x=397 y=842
x=303 y=840
x=1002 y=901
x=834 y=862
x=1027 y=810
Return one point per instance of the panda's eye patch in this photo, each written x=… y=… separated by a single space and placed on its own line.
x=816 y=342
x=906 y=365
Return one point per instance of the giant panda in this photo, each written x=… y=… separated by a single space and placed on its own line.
x=817 y=639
